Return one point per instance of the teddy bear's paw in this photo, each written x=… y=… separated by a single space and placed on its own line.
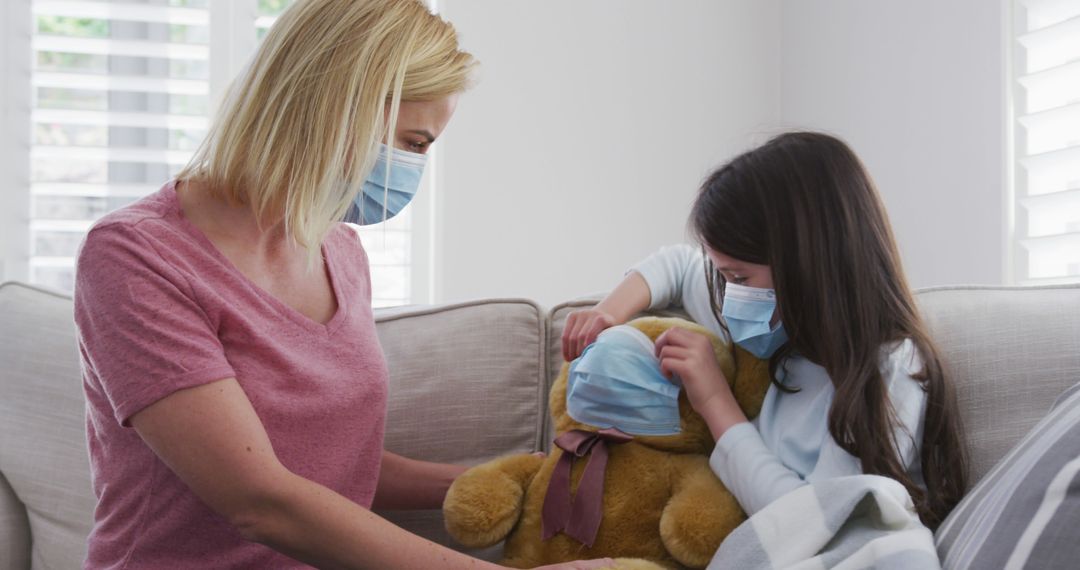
x=620 y=564
x=482 y=506
x=692 y=534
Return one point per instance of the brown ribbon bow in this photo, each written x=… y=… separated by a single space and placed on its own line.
x=578 y=516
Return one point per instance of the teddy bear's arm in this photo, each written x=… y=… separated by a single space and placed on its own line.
x=699 y=515
x=485 y=502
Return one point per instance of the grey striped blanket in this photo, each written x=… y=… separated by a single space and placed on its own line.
x=862 y=521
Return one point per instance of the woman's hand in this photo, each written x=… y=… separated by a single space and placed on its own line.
x=689 y=355
x=582 y=328
x=580 y=565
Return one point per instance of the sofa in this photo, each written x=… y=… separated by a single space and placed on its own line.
x=469 y=382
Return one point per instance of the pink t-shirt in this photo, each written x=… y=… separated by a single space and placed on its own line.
x=160 y=309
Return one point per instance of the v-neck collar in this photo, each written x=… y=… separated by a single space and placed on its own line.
x=282 y=308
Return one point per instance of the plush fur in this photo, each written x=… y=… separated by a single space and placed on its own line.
x=663 y=506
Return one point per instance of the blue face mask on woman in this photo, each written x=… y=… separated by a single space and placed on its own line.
x=380 y=199
x=617 y=383
x=748 y=313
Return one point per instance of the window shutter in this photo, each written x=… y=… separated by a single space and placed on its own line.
x=120 y=97
x=1047 y=139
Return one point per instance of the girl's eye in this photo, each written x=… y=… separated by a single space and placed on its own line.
x=418 y=146
x=733 y=278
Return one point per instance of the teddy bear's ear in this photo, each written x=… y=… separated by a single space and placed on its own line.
x=651 y=326
x=561 y=420
x=557 y=395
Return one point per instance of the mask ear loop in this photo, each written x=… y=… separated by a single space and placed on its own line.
x=386 y=191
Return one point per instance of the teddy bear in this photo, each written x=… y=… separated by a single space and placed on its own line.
x=660 y=505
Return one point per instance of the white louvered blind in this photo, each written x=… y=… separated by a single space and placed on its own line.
x=1046 y=99
x=122 y=94
x=120 y=99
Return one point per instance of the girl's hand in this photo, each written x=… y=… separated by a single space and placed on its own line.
x=582 y=328
x=690 y=356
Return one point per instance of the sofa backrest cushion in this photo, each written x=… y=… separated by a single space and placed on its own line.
x=1025 y=512
x=43 y=455
x=467 y=384
x=1010 y=351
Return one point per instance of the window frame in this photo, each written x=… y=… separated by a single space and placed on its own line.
x=15 y=104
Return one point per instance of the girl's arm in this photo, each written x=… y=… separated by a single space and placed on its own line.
x=629 y=298
x=659 y=281
x=212 y=439
x=689 y=356
x=748 y=468
x=753 y=474
x=409 y=484
x=675 y=276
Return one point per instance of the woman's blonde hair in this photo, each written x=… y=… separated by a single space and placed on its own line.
x=300 y=127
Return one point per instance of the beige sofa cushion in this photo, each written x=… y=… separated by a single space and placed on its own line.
x=43 y=453
x=467 y=384
x=1011 y=351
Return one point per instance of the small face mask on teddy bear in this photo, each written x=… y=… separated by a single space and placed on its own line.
x=617 y=383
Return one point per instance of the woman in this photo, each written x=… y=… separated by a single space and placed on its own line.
x=235 y=386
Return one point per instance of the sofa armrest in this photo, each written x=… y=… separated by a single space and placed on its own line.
x=14 y=529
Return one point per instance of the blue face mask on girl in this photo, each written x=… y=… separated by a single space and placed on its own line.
x=748 y=312
x=382 y=199
x=617 y=383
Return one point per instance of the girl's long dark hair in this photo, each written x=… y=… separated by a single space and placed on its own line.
x=804 y=205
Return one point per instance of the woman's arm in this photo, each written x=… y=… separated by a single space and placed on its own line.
x=409 y=484
x=212 y=439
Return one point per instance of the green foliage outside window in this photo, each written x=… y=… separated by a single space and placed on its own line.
x=272 y=7
x=73 y=27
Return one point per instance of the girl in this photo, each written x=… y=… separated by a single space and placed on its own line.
x=236 y=390
x=798 y=265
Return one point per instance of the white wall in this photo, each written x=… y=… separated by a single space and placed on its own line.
x=14 y=142
x=593 y=123
x=917 y=88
